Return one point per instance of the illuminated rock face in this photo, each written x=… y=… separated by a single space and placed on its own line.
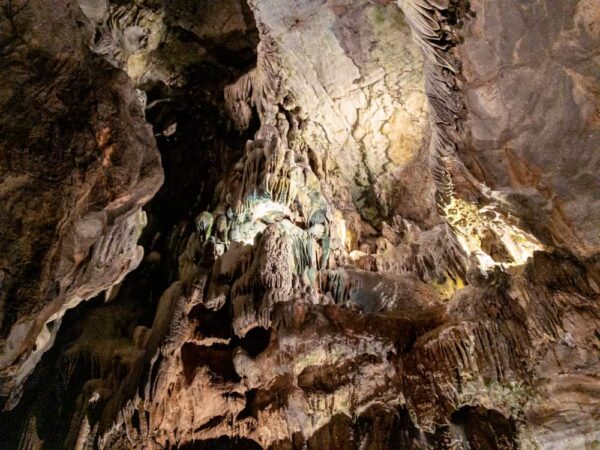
x=537 y=87
x=362 y=241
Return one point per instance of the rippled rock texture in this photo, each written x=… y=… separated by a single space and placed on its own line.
x=377 y=230
x=78 y=163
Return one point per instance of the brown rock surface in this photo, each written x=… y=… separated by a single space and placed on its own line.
x=374 y=233
x=78 y=163
x=531 y=94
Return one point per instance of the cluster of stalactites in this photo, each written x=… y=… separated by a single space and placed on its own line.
x=273 y=230
x=283 y=265
x=258 y=90
x=429 y=254
x=431 y=33
x=425 y=18
x=276 y=230
x=271 y=182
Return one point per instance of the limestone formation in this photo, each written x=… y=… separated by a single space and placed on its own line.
x=377 y=230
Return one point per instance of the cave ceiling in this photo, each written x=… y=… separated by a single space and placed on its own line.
x=299 y=224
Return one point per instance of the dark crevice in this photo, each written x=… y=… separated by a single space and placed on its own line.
x=222 y=443
x=256 y=341
x=486 y=429
x=218 y=358
x=276 y=397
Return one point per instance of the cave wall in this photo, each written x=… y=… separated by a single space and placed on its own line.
x=372 y=233
x=78 y=163
x=530 y=88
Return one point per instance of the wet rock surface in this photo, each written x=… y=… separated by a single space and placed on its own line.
x=371 y=233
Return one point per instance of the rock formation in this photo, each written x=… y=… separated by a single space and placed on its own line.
x=78 y=163
x=378 y=227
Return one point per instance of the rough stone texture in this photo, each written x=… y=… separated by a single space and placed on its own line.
x=360 y=99
x=531 y=93
x=349 y=263
x=78 y=162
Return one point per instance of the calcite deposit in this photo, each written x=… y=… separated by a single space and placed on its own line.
x=378 y=227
